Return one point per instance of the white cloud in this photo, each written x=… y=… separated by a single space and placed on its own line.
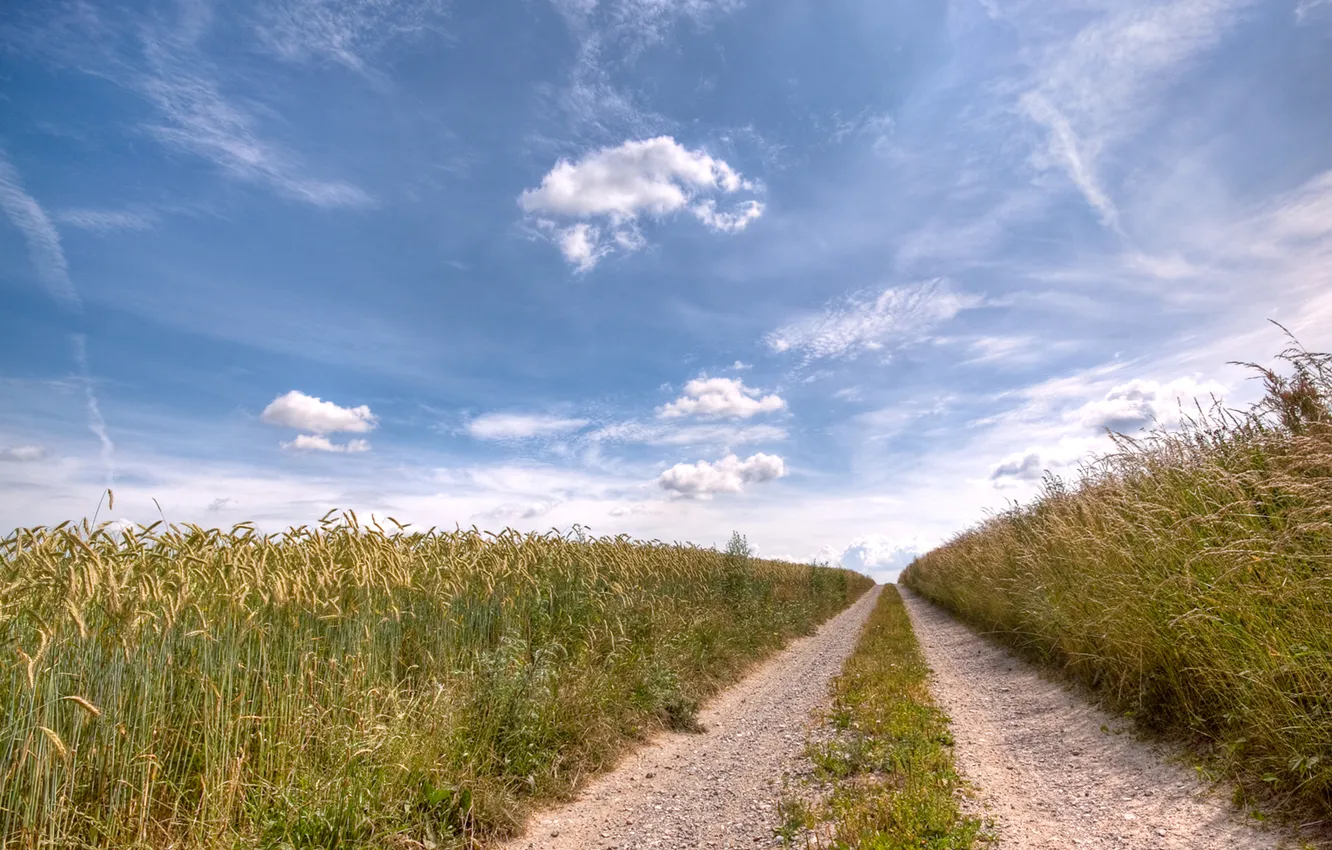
x=96 y=422
x=665 y=434
x=729 y=475
x=862 y=322
x=159 y=58
x=874 y=554
x=1025 y=467
x=519 y=510
x=720 y=397
x=1140 y=403
x=1309 y=10
x=307 y=413
x=320 y=443
x=348 y=32
x=581 y=245
x=521 y=426
x=650 y=177
x=41 y=235
x=732 y=222
x=199 y=119
x=107 y=221
x=24 y=454
x=1099 y=87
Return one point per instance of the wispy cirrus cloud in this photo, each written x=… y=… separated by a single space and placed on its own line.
x=44 y=249
x=1091 y=92
x=725 y=436
x=107 y=221
x=158 y=58
x=347 y=32
x=865 y=322
x=522 y=426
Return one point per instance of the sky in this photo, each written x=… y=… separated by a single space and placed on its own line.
x=844 y=276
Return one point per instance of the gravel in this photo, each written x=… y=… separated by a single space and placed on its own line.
x=1052 y=770
x=719 y=788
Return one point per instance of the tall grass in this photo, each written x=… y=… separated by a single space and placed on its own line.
x=345 y=686
x=1188 y=577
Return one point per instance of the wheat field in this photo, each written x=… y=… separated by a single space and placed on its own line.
x=346 y=686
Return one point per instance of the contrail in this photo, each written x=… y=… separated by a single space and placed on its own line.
x=96 y=423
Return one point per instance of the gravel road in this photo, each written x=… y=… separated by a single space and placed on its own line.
x=719 y=788
x=1045 y=771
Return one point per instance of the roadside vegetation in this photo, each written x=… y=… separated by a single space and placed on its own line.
x=344 y=686
x=1187 y=578
x=884 y=773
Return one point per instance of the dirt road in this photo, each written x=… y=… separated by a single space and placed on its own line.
x=719 y=788
x=1053 y=771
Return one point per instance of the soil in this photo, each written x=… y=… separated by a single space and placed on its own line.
x=721 y=787
x=1052 y=770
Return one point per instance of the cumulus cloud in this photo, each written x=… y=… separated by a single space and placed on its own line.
x=1025 y=467
x=618 y=185
x=581 y=245
x=308 y=413
x=1140 y=403
x=704 y=479
x=23 y=454
x=874 y=554
x=720 y=398
x=320 y=443
x=728 y=222
x=521 y=426
x=865 y=322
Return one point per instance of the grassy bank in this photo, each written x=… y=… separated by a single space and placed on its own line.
x=344 y=686
x=1188 y=578
x=887 y=764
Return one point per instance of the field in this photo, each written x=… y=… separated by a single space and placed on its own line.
x=1188 y=579
x=344 y=686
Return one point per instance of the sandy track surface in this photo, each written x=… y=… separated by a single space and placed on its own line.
x=1046 y=772
x=719 y=788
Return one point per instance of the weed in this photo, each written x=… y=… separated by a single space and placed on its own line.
x=888 y=760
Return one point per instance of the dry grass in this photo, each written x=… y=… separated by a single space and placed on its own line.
x=1188 y=578
x=344 y=686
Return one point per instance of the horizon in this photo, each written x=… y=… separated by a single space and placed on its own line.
x=842 y=278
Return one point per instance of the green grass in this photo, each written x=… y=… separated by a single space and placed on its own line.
x=1188 y=579
x=344 y=686
x=888 y=763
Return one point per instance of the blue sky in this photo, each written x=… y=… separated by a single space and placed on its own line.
x=841 y=275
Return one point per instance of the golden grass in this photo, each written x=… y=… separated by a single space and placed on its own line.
x=345 y=686
x=1188 y=578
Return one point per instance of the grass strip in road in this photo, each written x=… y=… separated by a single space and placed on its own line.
x=886 y=765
